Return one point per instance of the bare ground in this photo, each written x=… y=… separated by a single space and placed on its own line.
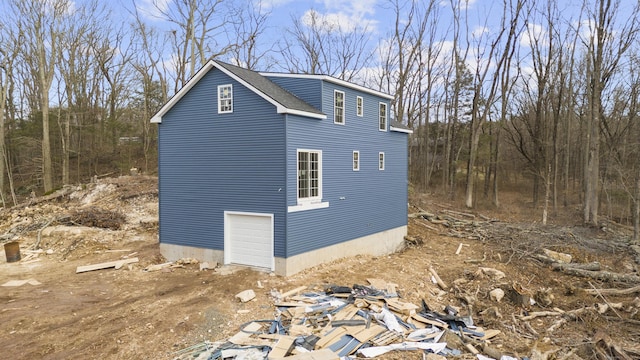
x=133 y=314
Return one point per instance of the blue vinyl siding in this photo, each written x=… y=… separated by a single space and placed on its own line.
x=210 y=162
x=374 y=200
x=309 y=90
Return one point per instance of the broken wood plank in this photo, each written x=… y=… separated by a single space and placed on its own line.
x=537 y=314
x=363 y=334
x=439 y=281
x=330 y=337
x=401 y=307
x=424 y=320
x=284 y=345
x=488 y=334
x=460 y=248
x=346 y=313
x=295 y=291
x=111 y=264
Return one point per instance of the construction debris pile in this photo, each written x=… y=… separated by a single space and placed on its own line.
x=341 y=322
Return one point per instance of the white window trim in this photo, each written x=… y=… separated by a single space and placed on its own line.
x=335 y=92
x=355 y=163
x=220 y=87
x=381 y=163
x=313 y=202
x=386 y=116
x=309 y=206
x=359 y=107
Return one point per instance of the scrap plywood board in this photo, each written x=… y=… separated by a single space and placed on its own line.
x=346 y=313
x=401 y=307
x=364 y=334
x=111 y=264
x=424 y=320
x=284 y=345
x=244 y=337
x=331 y=337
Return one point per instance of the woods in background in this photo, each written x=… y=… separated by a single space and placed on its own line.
x=536 y=96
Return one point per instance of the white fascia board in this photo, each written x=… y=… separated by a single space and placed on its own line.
x=157 y=118
x=284 y=110
x=331 y=79
x=406 y=131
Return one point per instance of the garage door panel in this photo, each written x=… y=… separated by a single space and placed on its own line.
x=249 y=239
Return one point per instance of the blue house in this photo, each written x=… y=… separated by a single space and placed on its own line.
x=279 y=171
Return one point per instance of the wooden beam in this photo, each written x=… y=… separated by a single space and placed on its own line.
x=111 y=264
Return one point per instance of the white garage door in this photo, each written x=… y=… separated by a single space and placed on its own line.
x=248 y=239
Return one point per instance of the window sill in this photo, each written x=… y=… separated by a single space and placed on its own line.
x=308 y=206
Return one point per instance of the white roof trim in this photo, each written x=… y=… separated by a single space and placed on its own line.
x=157 y=118
x=332 y=80
x=406 y=131
x=284 y=110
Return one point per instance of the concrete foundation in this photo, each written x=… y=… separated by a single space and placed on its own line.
x=381 y=243
x=385 y=242
x=173 y=252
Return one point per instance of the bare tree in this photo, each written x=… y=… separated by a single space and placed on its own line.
x=248 y=52
x=41 y=21
x=200 y=26
x=605 y=46
x=9 y=46
x=327 y=48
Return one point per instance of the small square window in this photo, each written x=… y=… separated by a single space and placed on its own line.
x=225 y=99
x=380 y=161
x=356 y=160
x=338 y=107
x=359 y=105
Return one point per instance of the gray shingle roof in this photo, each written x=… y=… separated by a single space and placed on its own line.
x=269 y=88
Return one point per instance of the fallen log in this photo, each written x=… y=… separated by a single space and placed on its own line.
x=614 y=292
x=600 y=275
x=592 y=266
x=422 y=214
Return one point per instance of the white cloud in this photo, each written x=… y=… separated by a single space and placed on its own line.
x=464 y=4
x=344 y=15
x=478 y=31
x=535 y=34
x=153 y=9
x=268 y=5
x=330 y=21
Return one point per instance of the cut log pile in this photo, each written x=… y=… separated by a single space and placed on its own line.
x=454 y=223
x=342 y=321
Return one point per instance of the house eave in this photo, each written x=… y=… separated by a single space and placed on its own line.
x=157 y=118
x=332 y=80
x=284 y=110
x=396 y=129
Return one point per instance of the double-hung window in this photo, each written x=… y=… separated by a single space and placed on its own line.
x=338 y=107
x=380 y=161
x=225 y=99
x=382 y=120
x=309 y=176
x=356 y=160
x=359 y=106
